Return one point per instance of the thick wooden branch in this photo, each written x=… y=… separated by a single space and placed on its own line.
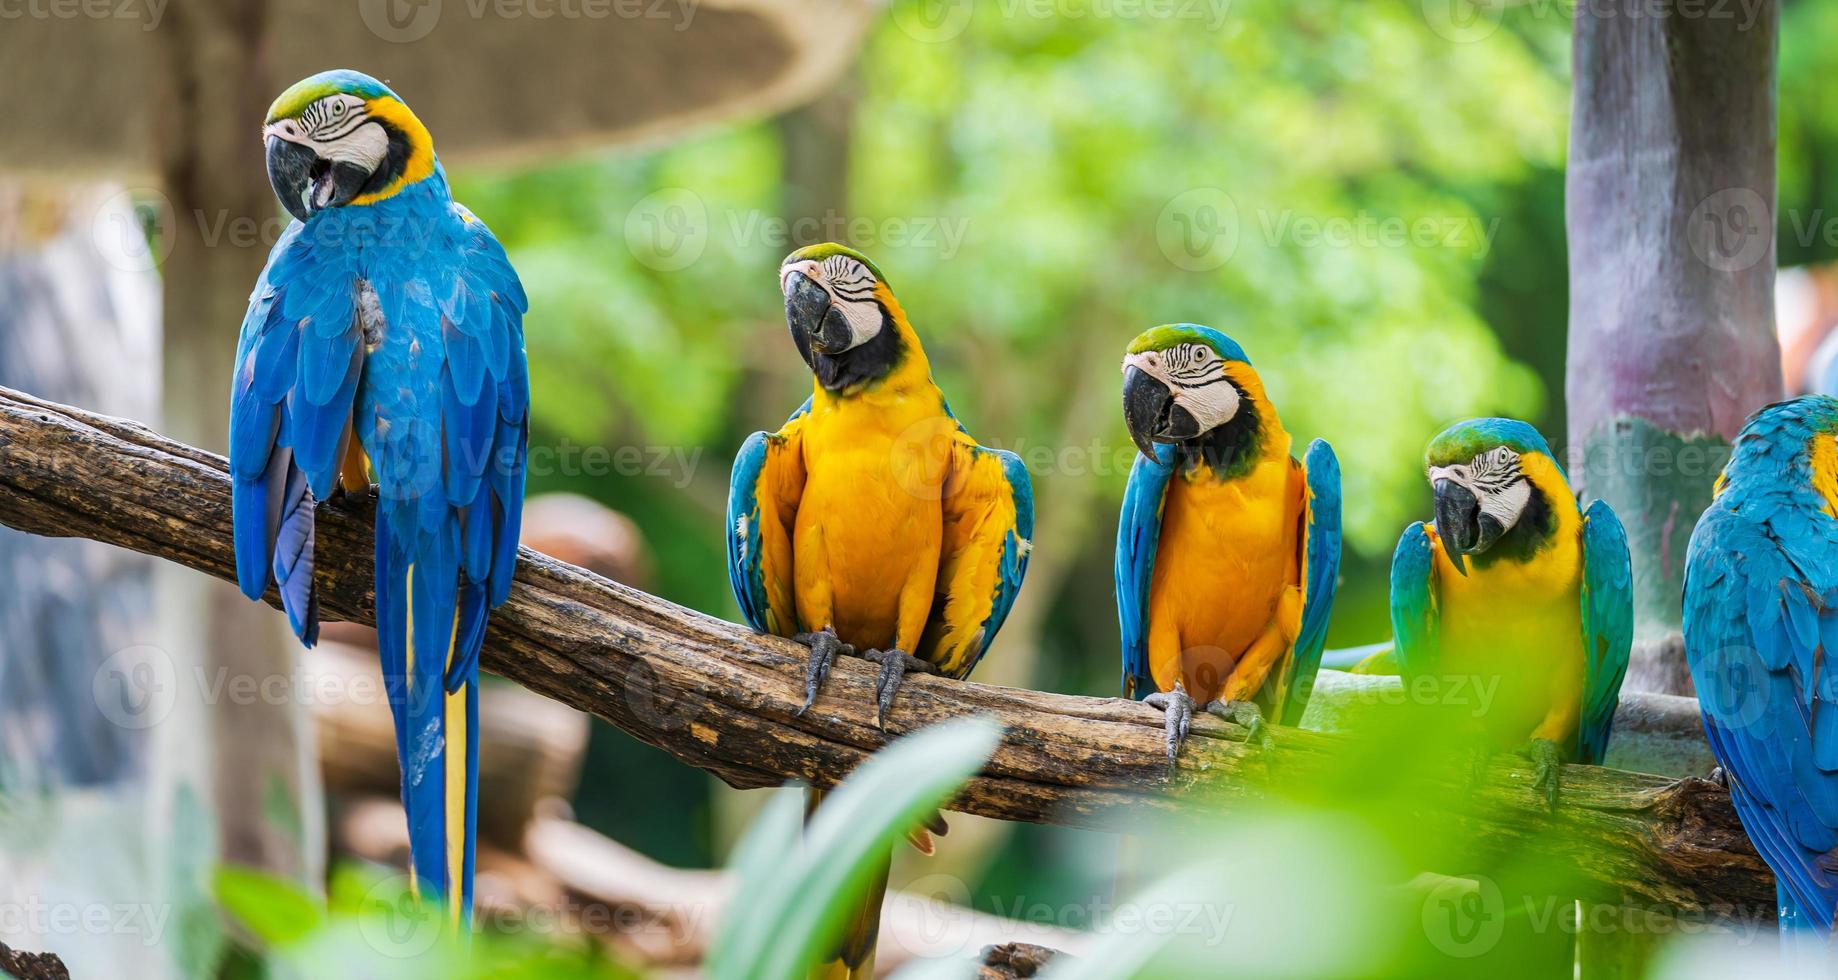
x=719 y=697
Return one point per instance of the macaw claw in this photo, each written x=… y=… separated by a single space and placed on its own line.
x=1548 y=766
x=1177 y=708
x=1247 y=714
x=824 y=646
x=1720 y=777
x=894 y=665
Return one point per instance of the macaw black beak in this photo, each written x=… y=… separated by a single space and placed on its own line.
x=307 y=183
x=1151 y=413
x=1461 y=525
x=816 y=324
x=1146 y=406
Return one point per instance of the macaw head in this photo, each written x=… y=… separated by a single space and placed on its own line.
x=844 y=319
x=1485 y=474
x=341 y=137
x=1192 y=387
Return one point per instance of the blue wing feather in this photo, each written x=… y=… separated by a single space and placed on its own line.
x=1017 y=548
x=1323 y=576
x=745 y=576
x=746 y=568
x=1608 y=626
x=1414 y=625
x=1138 y=534
x=1761 y=601
x=298 y=362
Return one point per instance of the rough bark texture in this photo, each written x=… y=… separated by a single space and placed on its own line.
x=31 y=966
x=1670 y=219
x=719 y=697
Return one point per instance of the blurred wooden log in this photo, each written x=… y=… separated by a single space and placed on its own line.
x=530 y=748
x=1011 y=961
x=31 y=966
x=722 y=698
x=1662 y=734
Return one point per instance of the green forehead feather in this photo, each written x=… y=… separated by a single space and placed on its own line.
x=823 y=250
x=1463 y=441
x=1174 y=334
x=338 y=81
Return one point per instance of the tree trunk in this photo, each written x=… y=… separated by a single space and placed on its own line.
x=1670 y=216
x=257 y=759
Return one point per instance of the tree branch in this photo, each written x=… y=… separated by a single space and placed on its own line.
x=722 y=698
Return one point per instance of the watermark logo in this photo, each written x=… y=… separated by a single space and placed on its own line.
x=136 y=687
x=1462 y=21
x=933 y=21
x=132 y=229
x=400 y=21
x=667 y=229
x=1464 y=917
x=654 y=705
x=1734 y=690
x=148 y=12
x=1198 y=229
x=1730 y=230
x=398 y=924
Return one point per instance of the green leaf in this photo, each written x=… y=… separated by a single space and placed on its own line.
x=773 y=835
x=275 y=910
x=781 y=922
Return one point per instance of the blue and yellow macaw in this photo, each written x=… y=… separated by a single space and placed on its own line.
x=1518 y=592
x=1226 y=575
x=385 y=340
x=1760 y=612
x=871 y=523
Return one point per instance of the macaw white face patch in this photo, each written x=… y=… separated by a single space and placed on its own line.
x=851 y=288
x=1497 y=482
x=1195 y=376
x=339 y=129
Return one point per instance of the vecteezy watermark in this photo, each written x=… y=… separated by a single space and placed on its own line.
x=1363 y=229
x=136 y=687
x=398 y=924
x=1197 y=230
x=148 y=12
x=1466 y=916
x=406 y=21
x=34 y=917
x=1473 y=693
x=1200 y=229
x=669 y=229
x=936 y=21
x=134 y=229
x=1464 y=21
x=674 y=463
x=1731 y=230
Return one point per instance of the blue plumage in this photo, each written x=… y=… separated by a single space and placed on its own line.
x=1414 y=620
x=1608 y=626
x=1322 y=578
x=397 y=322
x=746 y=571
x=1761 y=604
x=1138 y=533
